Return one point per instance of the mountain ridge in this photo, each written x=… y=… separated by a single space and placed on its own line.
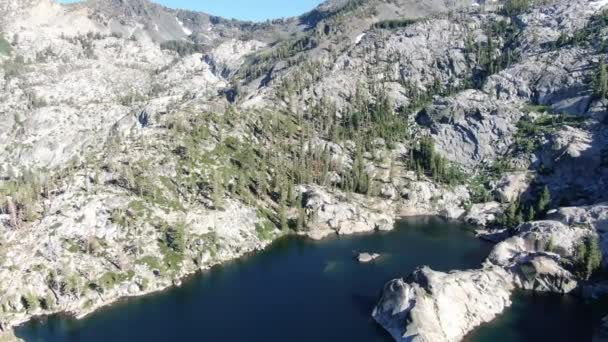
x=135 y=152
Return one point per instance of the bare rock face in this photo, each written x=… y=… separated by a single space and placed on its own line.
x=423 y=198
x=228 y=57
x=511 y=186
x=333 y=213
x=482 y=214
x=575 y=162
x=594 y=217
x=548 y=79
x=470 y=127
x=436 y=306
x=543 y=273
x=539 y=236
x=92 y=81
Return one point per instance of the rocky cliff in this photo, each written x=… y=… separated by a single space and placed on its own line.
x=142 y=143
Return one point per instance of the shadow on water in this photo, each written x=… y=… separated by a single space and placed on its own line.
x=296 y=290
x=537 y=317
x=364 y=304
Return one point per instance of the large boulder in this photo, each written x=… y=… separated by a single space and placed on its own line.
x=335 y=213
x=434 y=306
x=511 y=186
x=482 y=214
x=540 y=236
x=543 y=273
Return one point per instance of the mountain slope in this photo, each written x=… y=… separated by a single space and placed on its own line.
x=143 y=143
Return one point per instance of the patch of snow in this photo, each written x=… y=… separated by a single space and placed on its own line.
x=359 y=37
x=598 y=4
x=184 y=28
x=156 y=27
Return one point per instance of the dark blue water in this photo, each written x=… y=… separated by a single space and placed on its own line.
x=299 y=290
x=535 y=317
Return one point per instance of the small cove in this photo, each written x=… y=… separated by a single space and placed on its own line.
x=302 y=290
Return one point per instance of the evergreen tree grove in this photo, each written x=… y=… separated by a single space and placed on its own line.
x=424 y=160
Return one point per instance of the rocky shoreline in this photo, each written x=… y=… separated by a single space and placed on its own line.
x=7 y=334
x=427 y=299
x=330 y=212
x=143 y=144
x=437 y=306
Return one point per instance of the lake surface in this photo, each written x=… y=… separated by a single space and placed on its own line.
x=301 y=290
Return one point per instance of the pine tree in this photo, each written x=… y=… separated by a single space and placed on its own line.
x=512 y=216
x=581 y=253
x=489 y=54
x=543 y=201
x=283 y=211
x=359 y=175
x=531 y=214
x=427 y=151
x=593 y=257
x=600 y=84
x=289 y=197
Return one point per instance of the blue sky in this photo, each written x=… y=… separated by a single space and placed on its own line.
x=257 y=10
